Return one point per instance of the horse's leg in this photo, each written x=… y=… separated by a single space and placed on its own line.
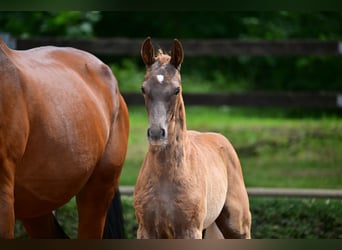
x=142 y=233
x=7 y=169
x=180 y=233
x=92 y=204
x=234 y=220
x=94 y=199
x=233 y=224
x=213 y=232
x=194 y=233
x=44 y=227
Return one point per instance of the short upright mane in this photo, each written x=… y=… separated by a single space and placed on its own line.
x=162 y=58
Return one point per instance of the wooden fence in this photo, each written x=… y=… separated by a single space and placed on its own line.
x=217 y=47
x=274 y=192
x=323 y=100
x=212 y=47
x=192 y=47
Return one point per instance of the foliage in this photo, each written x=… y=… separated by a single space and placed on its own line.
x=270 y=25
x=240 y=73
x=66 y=23
x=128 y=74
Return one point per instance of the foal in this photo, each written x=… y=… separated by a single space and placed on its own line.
x=189 y=180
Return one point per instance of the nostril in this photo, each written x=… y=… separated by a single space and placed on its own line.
x=148 y=132
x=163 y=132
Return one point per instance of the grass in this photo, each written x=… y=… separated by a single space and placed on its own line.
x=285 y=218
x=277 y=148
x=274 y=152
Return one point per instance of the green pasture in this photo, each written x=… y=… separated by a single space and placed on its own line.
x=276 y=149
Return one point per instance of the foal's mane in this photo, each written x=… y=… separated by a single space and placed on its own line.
x=162 y=58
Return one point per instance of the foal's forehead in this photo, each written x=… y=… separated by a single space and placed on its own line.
x=163 y=73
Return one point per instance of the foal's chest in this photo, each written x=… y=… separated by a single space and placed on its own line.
x=169 y=213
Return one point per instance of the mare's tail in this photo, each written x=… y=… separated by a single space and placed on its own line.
x=114 y=227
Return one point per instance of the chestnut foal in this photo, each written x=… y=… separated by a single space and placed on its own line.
x=189 y=181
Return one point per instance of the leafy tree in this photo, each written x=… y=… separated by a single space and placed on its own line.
x=64 y=23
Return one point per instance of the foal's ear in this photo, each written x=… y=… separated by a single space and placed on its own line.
x=177 y=54
x=147 y=52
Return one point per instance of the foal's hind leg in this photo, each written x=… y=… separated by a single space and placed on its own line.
x=235 y=226
x=234 y=220
x=44 y=227
x=213 y=232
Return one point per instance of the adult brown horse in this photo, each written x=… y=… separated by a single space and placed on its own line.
x=189 y=181
x=63 y=132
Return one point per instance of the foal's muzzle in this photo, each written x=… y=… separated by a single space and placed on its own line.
x=156 y=134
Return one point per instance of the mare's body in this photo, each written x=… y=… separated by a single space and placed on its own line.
x=63 y=132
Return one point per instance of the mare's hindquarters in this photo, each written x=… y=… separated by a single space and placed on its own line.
x=94 y=199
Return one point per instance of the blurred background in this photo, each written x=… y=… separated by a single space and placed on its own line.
x=279 y=147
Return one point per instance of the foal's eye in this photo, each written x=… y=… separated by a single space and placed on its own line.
x=143 y=90
x=177 y=90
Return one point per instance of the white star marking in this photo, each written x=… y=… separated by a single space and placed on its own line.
x=160 y=78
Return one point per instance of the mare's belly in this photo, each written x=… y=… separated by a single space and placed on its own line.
x=44 y=184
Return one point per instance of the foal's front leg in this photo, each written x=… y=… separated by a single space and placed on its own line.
x=191 y=233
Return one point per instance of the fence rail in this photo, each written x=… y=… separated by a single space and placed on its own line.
x=192 y=47
x=255 y=99
x=211 y=47
x=273 y=192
